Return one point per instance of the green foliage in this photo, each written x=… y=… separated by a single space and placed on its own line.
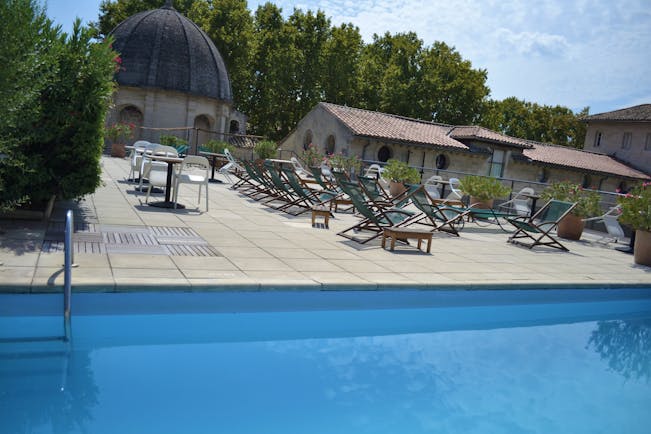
x=119 y=132
x=229 y=24
x=542 y=123
x=587 y=200
x=217 y=146
x=636 y=207
x=281 y=67
x=341 y=162
x=311 y=156
x=53 y=125
x=483 y=187
x=266 y=149
x=399 y=171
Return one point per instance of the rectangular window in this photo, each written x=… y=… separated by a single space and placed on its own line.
x=597 y=139
x=497 y=163
x=647 y=143
x=626 y=140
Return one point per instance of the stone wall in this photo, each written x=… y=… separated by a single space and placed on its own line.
x=612 y=135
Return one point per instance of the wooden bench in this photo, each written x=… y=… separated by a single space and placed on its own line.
x=322 y=211
x=396 y=233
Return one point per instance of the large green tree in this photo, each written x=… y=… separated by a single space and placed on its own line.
x=543 y=123
x=341 y=65
x=229 y=24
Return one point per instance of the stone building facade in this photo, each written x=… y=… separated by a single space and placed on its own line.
x=624 y=134
x=172 y=79
x=453 y=150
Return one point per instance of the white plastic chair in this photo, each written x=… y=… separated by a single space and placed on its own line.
x=611 y=221
x=433 y=186
x=231 y=166
x=135 y=158
x=455 y=192
x=157 y=176
x=520 y=202
x=299 y=169
x=375 y=171
x=194 y=170
x=153 y=149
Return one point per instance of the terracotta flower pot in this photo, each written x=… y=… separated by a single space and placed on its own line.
x=396 y=188
x=642 y=248
x=482 y=204
x=118 y=150
x=570 y=228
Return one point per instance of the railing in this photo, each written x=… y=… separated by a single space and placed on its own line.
x=67 y=273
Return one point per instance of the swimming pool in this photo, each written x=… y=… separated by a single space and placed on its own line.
x=408 y=362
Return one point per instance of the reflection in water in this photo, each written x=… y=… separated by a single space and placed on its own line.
x=626 y=346
x=46 y=391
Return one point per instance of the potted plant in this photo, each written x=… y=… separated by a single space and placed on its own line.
x=342 y=163
x=181 y=145
x=399 y=173
x=311 y=156
x=118 y=134
x=265 y=149
x=483 y=190
x=636 y=211
x=571 y=227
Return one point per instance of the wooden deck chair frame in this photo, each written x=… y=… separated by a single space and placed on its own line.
x=374 y=220
x=437 y=214
x=537 y=228
x=311 y=197
x=326 y=184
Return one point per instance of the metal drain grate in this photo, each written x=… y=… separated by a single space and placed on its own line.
x=152 y=240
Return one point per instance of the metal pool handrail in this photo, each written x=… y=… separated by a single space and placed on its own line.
x=67 y=272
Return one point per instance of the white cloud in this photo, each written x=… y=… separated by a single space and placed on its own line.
x=531 y=43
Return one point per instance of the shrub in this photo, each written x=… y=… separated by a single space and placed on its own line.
x=342 y=162
x=399 y=171
x=311 y=156
x=636 y=207
x=587 y=201
x=266 y=149
x=483 y=187
x=118 y=133
x=55 y=91
x=217 y=146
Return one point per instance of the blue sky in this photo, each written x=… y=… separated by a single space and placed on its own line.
x=574 y=53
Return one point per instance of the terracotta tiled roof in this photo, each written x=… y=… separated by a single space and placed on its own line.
x=392 y=127
x=578 y=159
x=638 y=113
x=484 y=134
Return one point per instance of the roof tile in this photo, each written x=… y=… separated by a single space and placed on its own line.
x=638 y=113
x=393 y=127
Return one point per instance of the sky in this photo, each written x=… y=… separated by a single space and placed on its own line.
x=573 y=53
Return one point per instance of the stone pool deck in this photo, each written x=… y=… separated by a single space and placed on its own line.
x=125 y=245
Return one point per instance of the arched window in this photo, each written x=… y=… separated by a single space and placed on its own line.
x=384 y=153
x=132 y=115
x=234 y=127
x=442 y=162
x=202 y=129
x=307 y=139
x=587 y=181
x=330 y=145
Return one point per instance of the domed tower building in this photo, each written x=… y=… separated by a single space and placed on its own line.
x=172 y=76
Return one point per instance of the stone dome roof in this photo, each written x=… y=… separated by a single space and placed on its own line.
x=163 y=49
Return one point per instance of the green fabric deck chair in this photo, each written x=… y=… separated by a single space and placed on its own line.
x=311 y=197
x=293 y=203
x=341 y=199
x=440 y=216
x=537 y=228
x=373 y=220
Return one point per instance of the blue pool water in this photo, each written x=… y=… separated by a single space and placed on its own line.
x=519 y=365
